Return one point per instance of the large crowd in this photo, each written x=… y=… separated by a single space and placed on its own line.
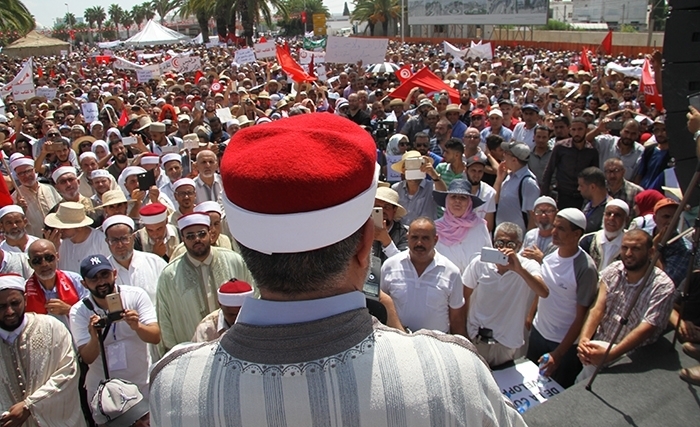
x=519 y=207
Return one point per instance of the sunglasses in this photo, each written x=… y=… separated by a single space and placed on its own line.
x=38 y=260
x=198 y=235
x=53 y=134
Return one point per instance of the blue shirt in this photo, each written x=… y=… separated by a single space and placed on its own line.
x=260 y=312
x=458 y=129
x=505 y=133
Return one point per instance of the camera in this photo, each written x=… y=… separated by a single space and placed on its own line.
x=381 y=135
x=115 y=309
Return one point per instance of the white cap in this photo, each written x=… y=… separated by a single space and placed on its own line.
x=183 y=181
x=574 y=216
x=87 y=154
x=546 y=200
x=170 y=157
x=99 y=173
x=614 y=202
x=12 y=281
x=150 y=160
x=118 y=219
x=209 y=206
x=129 y=171
x=21 y=161
x=234 y=292
x=194 y=218
x=496 y=112
x=96 y=123
x=10 y=209
x=62 y=171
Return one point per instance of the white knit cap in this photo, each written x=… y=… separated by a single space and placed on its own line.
x=118 y=219
x=620 y=204
x=62 y=171
x=574 y=216
x=150 y=160
x=87 y=154
x=21 y=161
x=170 y=157
x=194 y=218
x=99 y=173
x=545 y=199
x=209 y=206
x=12 y=281
x=183 y=181
x=10 y=209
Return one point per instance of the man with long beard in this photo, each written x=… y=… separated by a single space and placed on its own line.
x=50 y=290
x=126 y=343
x=39 y=368
x=14 y=226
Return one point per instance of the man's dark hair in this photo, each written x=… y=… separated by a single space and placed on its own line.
x=580 y=120
x=542 y=127
x=493 y=141
x=562 y=119
x=112 y=144
x=455 y=144
x=297 y=273
x=647 y=237
x=593 y=175
x=421 y=135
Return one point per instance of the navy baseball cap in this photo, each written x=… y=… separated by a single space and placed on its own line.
x=93 y=264
x=531 y=107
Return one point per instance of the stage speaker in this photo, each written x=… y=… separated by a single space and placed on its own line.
x=681 y=77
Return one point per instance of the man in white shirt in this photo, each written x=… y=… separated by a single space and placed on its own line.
x=133 y=268
x=494 y=323
x=572 y=280
x=125 y=342
x=525 y=130
x=172 y=164
x=604 y=245
x=77 y=239
x=14 y=226
x=476 y=165
x=538 y=241
x=426 y=287
x=208 y=181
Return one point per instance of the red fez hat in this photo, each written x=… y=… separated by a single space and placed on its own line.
x=153 y=213
x=299 y=184
x=234 y=292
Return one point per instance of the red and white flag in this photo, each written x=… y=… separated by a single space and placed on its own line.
x=648 y=87
x=404 y=73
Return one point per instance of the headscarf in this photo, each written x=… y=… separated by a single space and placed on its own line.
x=392 y=147
x=113 y=131
x=99 y=143
x=452 y=230
x=646 y=200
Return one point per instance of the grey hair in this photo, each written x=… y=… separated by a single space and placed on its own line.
x=510 y=228
x=298 y=273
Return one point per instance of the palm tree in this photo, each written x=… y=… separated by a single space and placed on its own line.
x=89 y=15
x=202 y=10
x=374 y=11
x=100 y=17
x=108 y=31
x=115 y=15
x=70 y=20
x=252 y=10
x=127 y=21
x=148 y=11
x=163 y=7
x=292 y=25
x=138 y=14
x=14 y=16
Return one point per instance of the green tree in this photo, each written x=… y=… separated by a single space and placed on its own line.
x=82 y=32
x=127 y=22
x=69 y=19
x=108 y=32
x=291 y=24
x=89 y=15
x=14 y=16
x=163 y=7
x=253 y=11
x=346 y=10
x=659 y=12
x=115 y=15
x=376 y=11
x=202 y=10
x=60 y=31
x=100 y=17
x=138 y=14
x=148 y=11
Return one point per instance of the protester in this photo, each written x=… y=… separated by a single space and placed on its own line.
x=231 y=296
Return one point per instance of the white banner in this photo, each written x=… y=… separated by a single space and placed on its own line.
x=123 y=64
x=443 y=12
x=480 y=50
x=635 y=72
x=353 y=49
x=244 y=56
x=143 y=76
x=265 y=50
x=47 y=92
x=181 y=64
x=305 y=56
x=22 y=86
x=90 y=111
x=454 y=50
x=321 y=73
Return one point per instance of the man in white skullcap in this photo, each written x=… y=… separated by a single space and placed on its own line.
x=184 y=191
x=101 y=182
x=172 y=165
x=66 y=182
x=231 y=296
x=572 y=279
x=89 y=163
x=35 y=198
x=48 y=393
x=538 y=242
x=14 y=226
x=604 y=245
x=218 y=228
x=188 y=285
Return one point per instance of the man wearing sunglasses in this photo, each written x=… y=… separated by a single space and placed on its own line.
x=495 y=324
x=50 y=290
x=187 y=288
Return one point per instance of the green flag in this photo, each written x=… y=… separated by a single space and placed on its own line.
x=314 y=44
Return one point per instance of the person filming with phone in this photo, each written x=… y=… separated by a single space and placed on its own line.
x=123 y=317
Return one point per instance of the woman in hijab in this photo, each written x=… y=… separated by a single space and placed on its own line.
x=644 y=203
x=461 y=233
x=395 y=148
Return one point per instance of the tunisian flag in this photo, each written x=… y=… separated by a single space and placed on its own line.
x=404 y=73
x=606 y=44
x=292 y=67
x=428 y=81
x=648 y=87
x=585 y=62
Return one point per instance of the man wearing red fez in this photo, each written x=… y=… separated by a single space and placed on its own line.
x=231 y=296
x=308 y=352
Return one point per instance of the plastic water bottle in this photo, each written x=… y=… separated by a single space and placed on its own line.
x=542 y=380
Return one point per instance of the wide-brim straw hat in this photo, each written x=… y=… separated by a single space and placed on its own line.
x=386 y=194
x=113 y=197
x=69 y=215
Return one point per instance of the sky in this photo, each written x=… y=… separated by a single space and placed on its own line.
x=46 y=11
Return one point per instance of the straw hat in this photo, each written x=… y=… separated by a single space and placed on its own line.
x=113 y=197
x=69 y=215
x=398 y=166
x=386 y=194
x=78 y=141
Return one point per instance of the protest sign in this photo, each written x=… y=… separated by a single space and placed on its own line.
x=47 y=92
x=321 y=73
x=244 y=56
x=22 y=86
x=64 y=53
x=315 y=44
x=123 y=64
x=454 y=50
x=265 y=50
x=90 y=111
x=391 y=175
x=353 y=49
x=224 y=114
x=143 y=76
x=520 y=384
x=305 y=57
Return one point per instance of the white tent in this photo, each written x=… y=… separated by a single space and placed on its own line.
x=153 y=33
x=199 y=39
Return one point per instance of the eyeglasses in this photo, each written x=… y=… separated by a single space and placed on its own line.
x=38 y=260
x=185 y=194
x=616 y=170
x=29 y=171
x=547 y=212
x=197 y=236
x=500 y=244
x=472 y=137
x=123 y=240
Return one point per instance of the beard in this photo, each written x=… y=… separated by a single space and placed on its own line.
x=48 y=276
x=121 y=158
x=102 y=290
x=545 y=227
x=200 y=249
x=18 y=234
x=11 y=326
x=127 y=256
